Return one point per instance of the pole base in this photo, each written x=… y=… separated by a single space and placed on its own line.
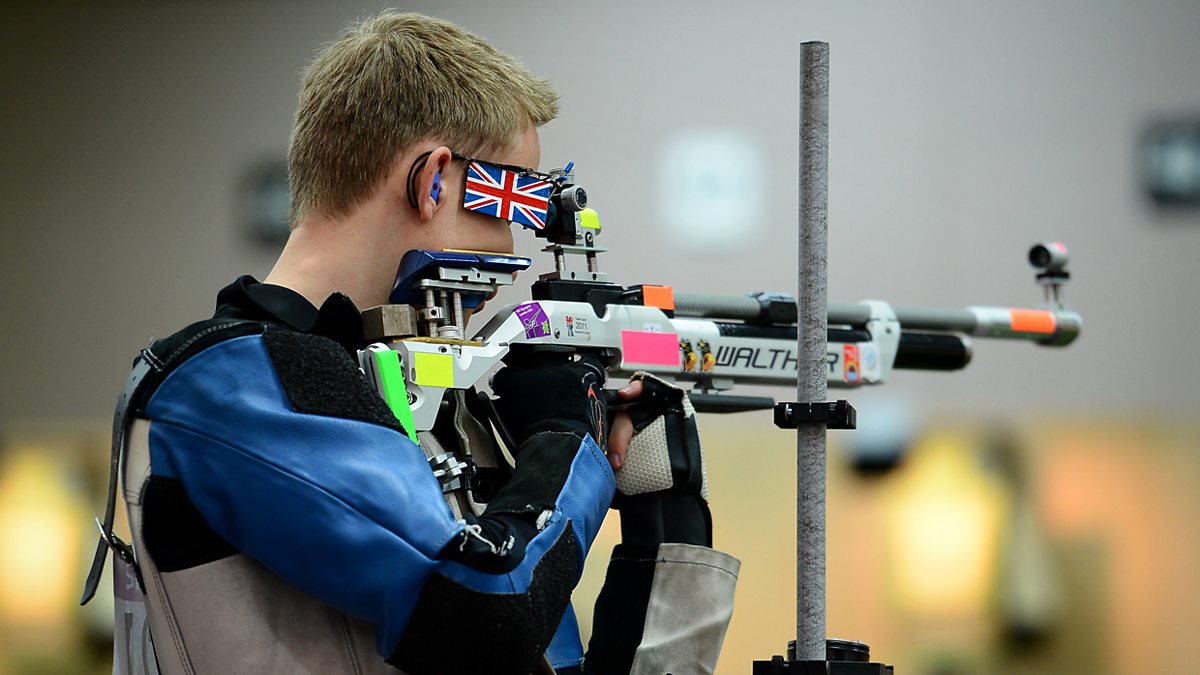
x=842 y=657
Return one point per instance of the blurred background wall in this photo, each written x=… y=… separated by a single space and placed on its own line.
x=960 y=134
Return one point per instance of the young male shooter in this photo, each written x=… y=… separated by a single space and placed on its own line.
x=282 y=520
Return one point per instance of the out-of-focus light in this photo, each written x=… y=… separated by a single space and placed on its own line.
x=711 y=192
x=264 y=202
x=40 y=527
x=1171 y=163
x=943 y=524
x=886 y=429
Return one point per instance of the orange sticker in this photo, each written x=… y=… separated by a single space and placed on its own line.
x=662 y=297
x=1032 y=321
x=850 y=367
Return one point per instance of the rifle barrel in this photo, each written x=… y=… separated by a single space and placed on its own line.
x=1056 y=327
x=748 y=308
x=706 y=306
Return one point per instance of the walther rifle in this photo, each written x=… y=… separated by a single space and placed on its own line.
x=716 y=343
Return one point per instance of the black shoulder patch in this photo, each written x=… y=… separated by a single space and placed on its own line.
x=507 y=633
x=320 y=378
x=176 y=535
x=543 y=464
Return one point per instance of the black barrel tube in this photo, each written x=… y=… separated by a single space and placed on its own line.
x=706 y=306
x=750 y=309
x=932 y=351
x=729 y=403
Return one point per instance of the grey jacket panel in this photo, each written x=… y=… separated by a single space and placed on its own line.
x=691 y=603
x=238 y=616
x=169 y=650
x=234 y=615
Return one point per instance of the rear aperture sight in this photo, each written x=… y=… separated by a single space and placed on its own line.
x=1050 y=256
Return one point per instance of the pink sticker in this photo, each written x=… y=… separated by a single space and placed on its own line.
x=652 y=349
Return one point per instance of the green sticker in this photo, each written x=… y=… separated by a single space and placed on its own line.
x=394 y=392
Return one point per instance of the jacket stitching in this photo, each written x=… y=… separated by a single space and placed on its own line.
x=698 y=564
x=350 y=645
x=594 y=455
x=195 y=338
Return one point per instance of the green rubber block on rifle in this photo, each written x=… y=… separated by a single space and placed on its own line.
x=395 y=394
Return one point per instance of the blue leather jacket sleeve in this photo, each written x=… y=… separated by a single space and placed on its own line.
x=566 y=650
x=345 y=509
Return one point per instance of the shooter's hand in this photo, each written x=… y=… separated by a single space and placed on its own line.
x=548 y=404
x=547 y=393
x=622 y=426
x=662 y=490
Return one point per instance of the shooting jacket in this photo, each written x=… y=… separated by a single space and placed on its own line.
x=285 y=523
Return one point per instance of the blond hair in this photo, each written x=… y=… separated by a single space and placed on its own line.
x=391 y=81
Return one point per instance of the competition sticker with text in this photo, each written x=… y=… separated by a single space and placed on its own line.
x=533 y=320
x=577 y=326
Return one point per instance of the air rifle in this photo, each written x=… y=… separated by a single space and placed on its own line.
x=716 y=343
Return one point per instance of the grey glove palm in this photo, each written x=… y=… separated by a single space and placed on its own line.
x=662 y=489
x=665 y=452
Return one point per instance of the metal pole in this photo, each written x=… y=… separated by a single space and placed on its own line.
x=811 y=342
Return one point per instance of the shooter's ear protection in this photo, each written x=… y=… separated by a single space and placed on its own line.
x=414 y=175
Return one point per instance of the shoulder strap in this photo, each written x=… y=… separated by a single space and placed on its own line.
x=194 y=337
x=108 y=539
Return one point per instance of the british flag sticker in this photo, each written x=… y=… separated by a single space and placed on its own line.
x=507 y=195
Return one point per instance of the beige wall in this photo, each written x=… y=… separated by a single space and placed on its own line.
x=960 y=135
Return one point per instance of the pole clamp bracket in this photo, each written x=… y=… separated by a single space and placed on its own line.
x=833 y=414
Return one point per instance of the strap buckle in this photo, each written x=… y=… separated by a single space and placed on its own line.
x=121 y=550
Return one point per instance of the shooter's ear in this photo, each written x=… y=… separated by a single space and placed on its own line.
x=432 y=193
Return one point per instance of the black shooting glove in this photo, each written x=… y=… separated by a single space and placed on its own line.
x=548 y=392
x=548 y=404
x=662 y=489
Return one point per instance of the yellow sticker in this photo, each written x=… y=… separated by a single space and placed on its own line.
x=433 y=370
x=589 y=219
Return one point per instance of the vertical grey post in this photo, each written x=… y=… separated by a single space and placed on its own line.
x=811 y=343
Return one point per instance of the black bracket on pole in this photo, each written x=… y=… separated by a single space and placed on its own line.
x=833 y=414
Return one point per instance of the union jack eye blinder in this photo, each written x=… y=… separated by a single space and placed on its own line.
x=511 y=193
